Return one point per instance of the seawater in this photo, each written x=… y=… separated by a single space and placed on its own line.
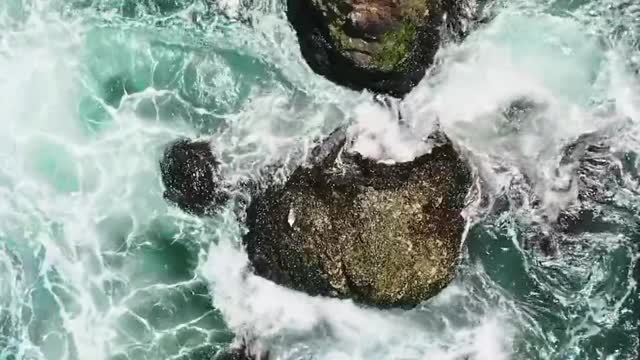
x=95 y=265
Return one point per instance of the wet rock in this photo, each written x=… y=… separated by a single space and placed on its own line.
x=234 y=354
x=600 y=175
x=599 y=182
x=597 y=171
x=242 y=352
x=190 y=174
x=381 y=45
x=350 y=227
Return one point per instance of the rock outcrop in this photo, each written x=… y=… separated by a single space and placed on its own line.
x=381 y=45
x=190 y=174
x=350 y=227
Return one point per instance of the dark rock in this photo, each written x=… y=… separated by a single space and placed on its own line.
x=595 y=176
x=234 y=354
x=350 y=227
x=600 y=174
x=597 y=171
x=241 y=353
x=381 y=45
x=190 y=173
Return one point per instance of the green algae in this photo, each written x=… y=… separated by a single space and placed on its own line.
x=339 y=37
x=396 y=46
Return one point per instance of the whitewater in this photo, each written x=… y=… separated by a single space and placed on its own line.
x=542 y=98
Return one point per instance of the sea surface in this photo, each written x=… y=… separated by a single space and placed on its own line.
x=95 y=265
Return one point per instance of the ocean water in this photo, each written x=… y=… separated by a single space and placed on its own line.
x=95 y=265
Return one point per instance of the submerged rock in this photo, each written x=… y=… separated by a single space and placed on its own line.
x=594 y=166
x=599 y=175
x=243 y=351
x=235 y=354
x=381 y=45
x=190 y=174
x=583 y=195
x=350 y=227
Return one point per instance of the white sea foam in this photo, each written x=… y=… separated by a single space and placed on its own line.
x=547 y=64
x=60 y=183
x=293 y=324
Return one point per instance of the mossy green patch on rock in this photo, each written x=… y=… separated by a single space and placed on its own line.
x=381 y=45
x=396 y=46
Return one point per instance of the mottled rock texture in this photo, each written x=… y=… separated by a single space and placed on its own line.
x=381 y=45
x=190 y=174
x=350 y=227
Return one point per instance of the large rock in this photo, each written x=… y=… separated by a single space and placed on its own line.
x=350 y=227
x=381 y=45
x=191 y=176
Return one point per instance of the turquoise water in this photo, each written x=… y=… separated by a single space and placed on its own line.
x=95 y=265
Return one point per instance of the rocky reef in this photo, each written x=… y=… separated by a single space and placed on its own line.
x=350 y=227
x=381 y=45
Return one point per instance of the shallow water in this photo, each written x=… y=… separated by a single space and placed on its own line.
x=95 y=265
